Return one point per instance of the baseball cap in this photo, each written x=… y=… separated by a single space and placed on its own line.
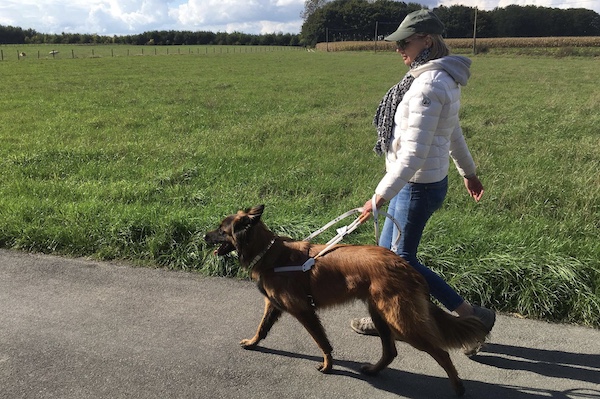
x=422 y=21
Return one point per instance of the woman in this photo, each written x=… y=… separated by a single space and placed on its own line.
x=418 y=131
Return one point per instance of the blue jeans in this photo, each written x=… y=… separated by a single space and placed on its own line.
x=412 y=207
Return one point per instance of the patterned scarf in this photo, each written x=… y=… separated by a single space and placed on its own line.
x=384 y=117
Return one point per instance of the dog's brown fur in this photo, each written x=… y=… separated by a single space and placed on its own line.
x=397 y=296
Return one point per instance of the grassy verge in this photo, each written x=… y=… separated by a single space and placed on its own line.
x=136 y=157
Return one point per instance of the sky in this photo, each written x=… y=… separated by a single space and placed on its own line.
x=129 y=17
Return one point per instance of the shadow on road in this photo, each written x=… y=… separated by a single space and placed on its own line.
x=549 y=363
x=418 y=386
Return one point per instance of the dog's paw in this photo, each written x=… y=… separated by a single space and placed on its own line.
x=327 y=364
x=248 y=344
x=369 y=369
x=325 y=369
x=459 y=388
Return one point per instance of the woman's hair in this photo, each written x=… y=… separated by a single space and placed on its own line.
x=439 y=48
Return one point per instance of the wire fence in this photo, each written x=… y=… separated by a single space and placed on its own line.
x=25 y=52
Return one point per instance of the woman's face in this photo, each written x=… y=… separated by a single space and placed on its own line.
x=411 y=47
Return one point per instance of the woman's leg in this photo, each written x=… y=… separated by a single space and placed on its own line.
x=389 y=230
x=412 y=208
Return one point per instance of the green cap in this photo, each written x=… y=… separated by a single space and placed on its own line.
x=422 y=21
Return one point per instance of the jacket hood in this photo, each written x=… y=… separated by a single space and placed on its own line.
x=457 y=66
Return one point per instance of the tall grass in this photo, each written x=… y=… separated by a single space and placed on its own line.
x=136 y=157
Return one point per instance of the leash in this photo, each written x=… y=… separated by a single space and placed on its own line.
x=376 y=214
x=341 y=233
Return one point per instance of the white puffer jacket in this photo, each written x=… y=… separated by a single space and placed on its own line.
x=426 y=128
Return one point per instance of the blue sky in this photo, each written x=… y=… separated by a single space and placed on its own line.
x=123 y=17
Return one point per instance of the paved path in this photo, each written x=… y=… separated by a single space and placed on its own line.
x=82 y=329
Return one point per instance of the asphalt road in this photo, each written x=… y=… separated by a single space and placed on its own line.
x=83 y=329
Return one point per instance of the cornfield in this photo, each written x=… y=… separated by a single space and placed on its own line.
x=487 y=43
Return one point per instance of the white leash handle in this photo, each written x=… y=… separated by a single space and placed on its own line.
x=345 y=230
x=375 y=217
x=376 y=213
x=334 y=221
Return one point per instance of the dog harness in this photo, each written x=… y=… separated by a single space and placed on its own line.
x=341 y=233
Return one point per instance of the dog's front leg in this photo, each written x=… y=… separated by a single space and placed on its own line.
x=311 y=322
x=270 y=316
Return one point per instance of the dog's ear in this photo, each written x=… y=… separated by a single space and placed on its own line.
x=255 y=213
x=248 y=218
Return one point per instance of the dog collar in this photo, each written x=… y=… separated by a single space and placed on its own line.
x=258 y=257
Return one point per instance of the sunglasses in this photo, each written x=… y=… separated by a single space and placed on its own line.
x=403 y=44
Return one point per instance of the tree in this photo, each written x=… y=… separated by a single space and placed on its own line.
x=458 y=20
x=310 y=6
x=354 y=20
x=15 y=35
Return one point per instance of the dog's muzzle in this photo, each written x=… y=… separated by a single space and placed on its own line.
x=214 y=238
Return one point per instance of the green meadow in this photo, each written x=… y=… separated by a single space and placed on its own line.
x=135 y=157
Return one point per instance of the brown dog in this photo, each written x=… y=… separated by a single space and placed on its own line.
x=397 y=296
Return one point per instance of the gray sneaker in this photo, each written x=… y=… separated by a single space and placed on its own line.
x=488 y=318
x=363 y=326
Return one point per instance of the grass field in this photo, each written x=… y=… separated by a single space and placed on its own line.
x=136 y=157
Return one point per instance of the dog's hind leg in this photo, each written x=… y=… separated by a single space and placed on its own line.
x=270 y=316
x=310 y=321
x=442 y=357
x=388 y=343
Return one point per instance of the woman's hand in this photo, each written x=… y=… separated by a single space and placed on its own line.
x=474 y=187
x=368 y=207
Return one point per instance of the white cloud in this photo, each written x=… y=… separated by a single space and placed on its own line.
x=249 y=16
x=123 y=17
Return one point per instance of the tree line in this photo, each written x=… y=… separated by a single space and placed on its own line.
x=362 y=20
x=342 y=20
x=16 y=35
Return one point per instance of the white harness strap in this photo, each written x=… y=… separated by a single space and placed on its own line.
x=334 y=221
x=304 y=268
x=341 y=233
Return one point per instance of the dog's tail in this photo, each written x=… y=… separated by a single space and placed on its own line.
x=458 y=332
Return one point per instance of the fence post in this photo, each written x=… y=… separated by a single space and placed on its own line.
x=376 y=32
x=73 y=53
x=475 y=33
